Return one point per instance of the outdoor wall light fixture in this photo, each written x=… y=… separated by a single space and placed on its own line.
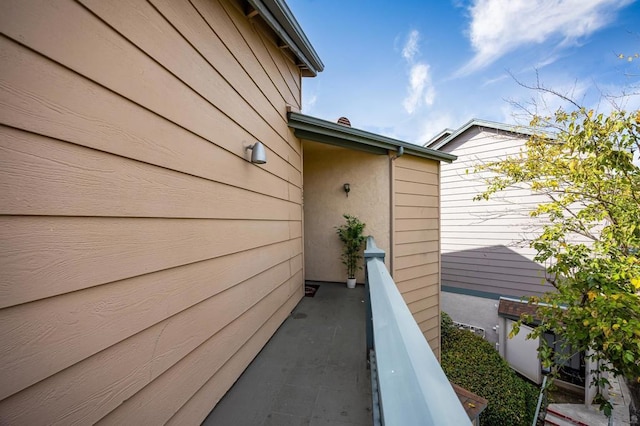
x=347 y=188
x=258 y=154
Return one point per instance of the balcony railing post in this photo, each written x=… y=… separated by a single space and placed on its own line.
x=369 y=319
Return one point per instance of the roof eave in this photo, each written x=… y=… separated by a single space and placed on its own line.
x=475 y=122
x=316 y=129
x=443 y=133
x=278 y=16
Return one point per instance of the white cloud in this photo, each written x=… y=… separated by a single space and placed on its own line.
x=420 y=89
x=410 y=48
x=494 y=80
x=500 y=26
x=309 y=103
x=546 y=61
x=434 y=124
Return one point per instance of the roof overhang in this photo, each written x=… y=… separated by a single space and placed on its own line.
x=440 y=136
x=278 y=16
x=318 y=130
x=515 y=308
x=434 y=143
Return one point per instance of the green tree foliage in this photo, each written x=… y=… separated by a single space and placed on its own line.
x=590 y=242
x=628 y=58
x=472 y=362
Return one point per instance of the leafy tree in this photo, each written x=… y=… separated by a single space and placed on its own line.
x=590 y=240
x=628 y=58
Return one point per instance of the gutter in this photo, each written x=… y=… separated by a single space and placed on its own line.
x=318 y=130
x=278 y=16
x=475 y=122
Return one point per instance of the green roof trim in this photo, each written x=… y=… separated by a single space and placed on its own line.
x=475 y=122
x=279 y=17
x=440 y=136
x=470 y=292
x=318 y=130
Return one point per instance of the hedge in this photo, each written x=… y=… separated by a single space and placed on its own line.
x=471 y=362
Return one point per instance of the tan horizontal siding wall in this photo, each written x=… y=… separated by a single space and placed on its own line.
x=484 y=243
x=143 y=261
x=416 y=253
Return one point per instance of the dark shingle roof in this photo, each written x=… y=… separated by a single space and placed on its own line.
x=515 y=308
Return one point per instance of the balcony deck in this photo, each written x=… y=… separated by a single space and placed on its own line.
x=312 y=372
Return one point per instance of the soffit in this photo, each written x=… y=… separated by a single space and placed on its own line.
x=279 y=17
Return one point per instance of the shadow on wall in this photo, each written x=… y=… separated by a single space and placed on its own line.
x=493 y=271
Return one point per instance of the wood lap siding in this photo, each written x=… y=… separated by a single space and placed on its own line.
x=416 y=263
x=143 y=261
x=484 y=246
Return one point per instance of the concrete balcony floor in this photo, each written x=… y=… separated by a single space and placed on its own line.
x=313 y=371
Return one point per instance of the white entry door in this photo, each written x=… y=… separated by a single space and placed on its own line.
x=522 y=354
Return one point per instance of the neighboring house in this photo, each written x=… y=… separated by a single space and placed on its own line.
x=487 y=265
x=144 y=261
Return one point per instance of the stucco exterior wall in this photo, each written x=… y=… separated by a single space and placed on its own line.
x=476 y=311
x=143 y=260
x=326 y=169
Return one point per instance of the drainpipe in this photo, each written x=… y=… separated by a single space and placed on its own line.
x=392 y=217
x=543 y=389
x=392 y=203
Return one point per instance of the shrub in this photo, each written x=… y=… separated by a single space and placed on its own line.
x=352 y=238
x=446 y=325
x=471 y=362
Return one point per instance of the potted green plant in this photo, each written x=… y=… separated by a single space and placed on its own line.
x=352 y=238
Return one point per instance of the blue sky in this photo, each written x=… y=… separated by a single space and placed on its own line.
x=408 y=69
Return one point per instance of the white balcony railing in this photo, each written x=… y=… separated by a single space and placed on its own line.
x=409 y=386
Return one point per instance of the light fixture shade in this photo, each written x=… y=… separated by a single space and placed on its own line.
x=258 y=153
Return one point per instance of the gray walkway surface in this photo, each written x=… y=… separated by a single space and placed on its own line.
x=620 y=399
x=312 y=372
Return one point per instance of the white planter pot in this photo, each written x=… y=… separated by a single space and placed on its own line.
x=351 y=283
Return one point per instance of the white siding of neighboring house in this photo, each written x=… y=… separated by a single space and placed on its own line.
x=483 y=247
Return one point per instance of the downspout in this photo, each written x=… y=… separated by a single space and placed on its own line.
x=439 y=257
x=392 y=203
x=392 y=228
x=302 y=222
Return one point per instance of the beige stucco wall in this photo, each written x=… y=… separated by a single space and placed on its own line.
x=326 y=169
